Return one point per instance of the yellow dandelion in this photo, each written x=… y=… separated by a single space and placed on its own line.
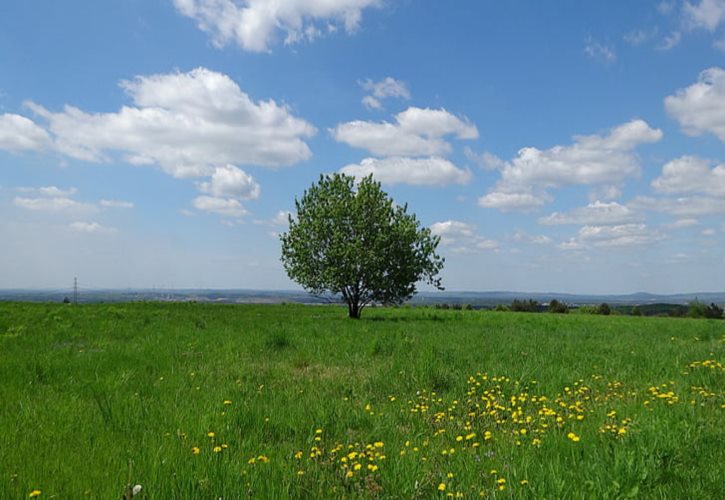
x=442 y=487
x=227 y=401
x=195 y=450
x=217 y=449
x=210 y=434
x=298 y=455
x=35 y=493
x=573 y=437
x=300 y=472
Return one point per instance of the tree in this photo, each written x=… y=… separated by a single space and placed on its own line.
x=604 y=309
x=355 y=242
x=558 y=307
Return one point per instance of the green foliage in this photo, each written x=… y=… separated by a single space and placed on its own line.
x=358 y=244
x=604 y=309
x=530 y=305
x=636 y=311
x=502 y=308
x=698 y=309
x=558 y=307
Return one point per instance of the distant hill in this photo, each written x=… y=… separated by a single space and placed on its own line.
x=475 y=299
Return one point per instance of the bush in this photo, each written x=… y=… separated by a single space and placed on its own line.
x=467 y=307
x=557 y=307
x=530 y=305
x=636 y=311
x=502 y=308
x=698 y=309
x=604 y=309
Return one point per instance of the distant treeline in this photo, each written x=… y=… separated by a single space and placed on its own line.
x=694 y=309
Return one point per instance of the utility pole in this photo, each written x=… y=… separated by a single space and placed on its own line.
x=75 y=291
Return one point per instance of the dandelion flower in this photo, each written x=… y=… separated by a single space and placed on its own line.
x=573 y=437
x=195 y=450
x=442 y=487
x=35 y=493
x=217 y=449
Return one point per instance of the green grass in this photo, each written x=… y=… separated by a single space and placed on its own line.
x=96 y=396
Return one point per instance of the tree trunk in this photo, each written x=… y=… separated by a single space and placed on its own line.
x=353 y=309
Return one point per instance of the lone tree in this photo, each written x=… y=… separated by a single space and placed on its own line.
x=355 y=242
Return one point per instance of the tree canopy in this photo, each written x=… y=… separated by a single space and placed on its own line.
x=355 y=242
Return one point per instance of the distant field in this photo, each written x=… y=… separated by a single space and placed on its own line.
x=210 y=401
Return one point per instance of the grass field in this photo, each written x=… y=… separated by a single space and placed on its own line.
x=207 y=401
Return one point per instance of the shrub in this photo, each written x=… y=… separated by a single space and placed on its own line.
x=604 y=309
x=636 y=311
x=557 y=307
x=502 y=308
x=525 y=305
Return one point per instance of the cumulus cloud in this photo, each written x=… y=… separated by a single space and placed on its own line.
x=485 y=160
x=226 y=207
x=530 y=239
x=116 y=204
x=432 y=171
x=700 y=108
x=596 y=213
x=52 y=191
x=687 y=206
x=691 y=174
x=416 y=132
x=613 y=236
x=707 y=14
x=513 y=201
x=384 y=89
x=281 y=218
x=593 y=159
x=18 y=133
x=186 y=123
x=461 y=237
x=53 y=204
x=231 y=182
x=91 y=227
x=254 y=24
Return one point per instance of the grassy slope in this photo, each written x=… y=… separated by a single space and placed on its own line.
x=87 y=390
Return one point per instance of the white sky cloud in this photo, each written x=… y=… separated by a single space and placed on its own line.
x=485 y=160
x=186 y=123
x=254 y=24
x=281 y=218
x=18 y=133
x=52 y=191
x=593 y=159
x=624 y=235
x=600 y=52
x=226 y=207
x=530 y=239
x=116 y=204
x=432 y=171
x=53 y=204
x=706 y=14
x=386 y=88
x=691 y=174
x=513 y=201
x=461 y=237
x=596 y=213
x=688 y=206
x=232 y=182
x=91 y=227
x=700 y=108
x=416 y=132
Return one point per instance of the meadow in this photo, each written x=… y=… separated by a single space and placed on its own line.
x=289 y=401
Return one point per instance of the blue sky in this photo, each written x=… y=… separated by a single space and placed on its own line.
x=572 y=147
